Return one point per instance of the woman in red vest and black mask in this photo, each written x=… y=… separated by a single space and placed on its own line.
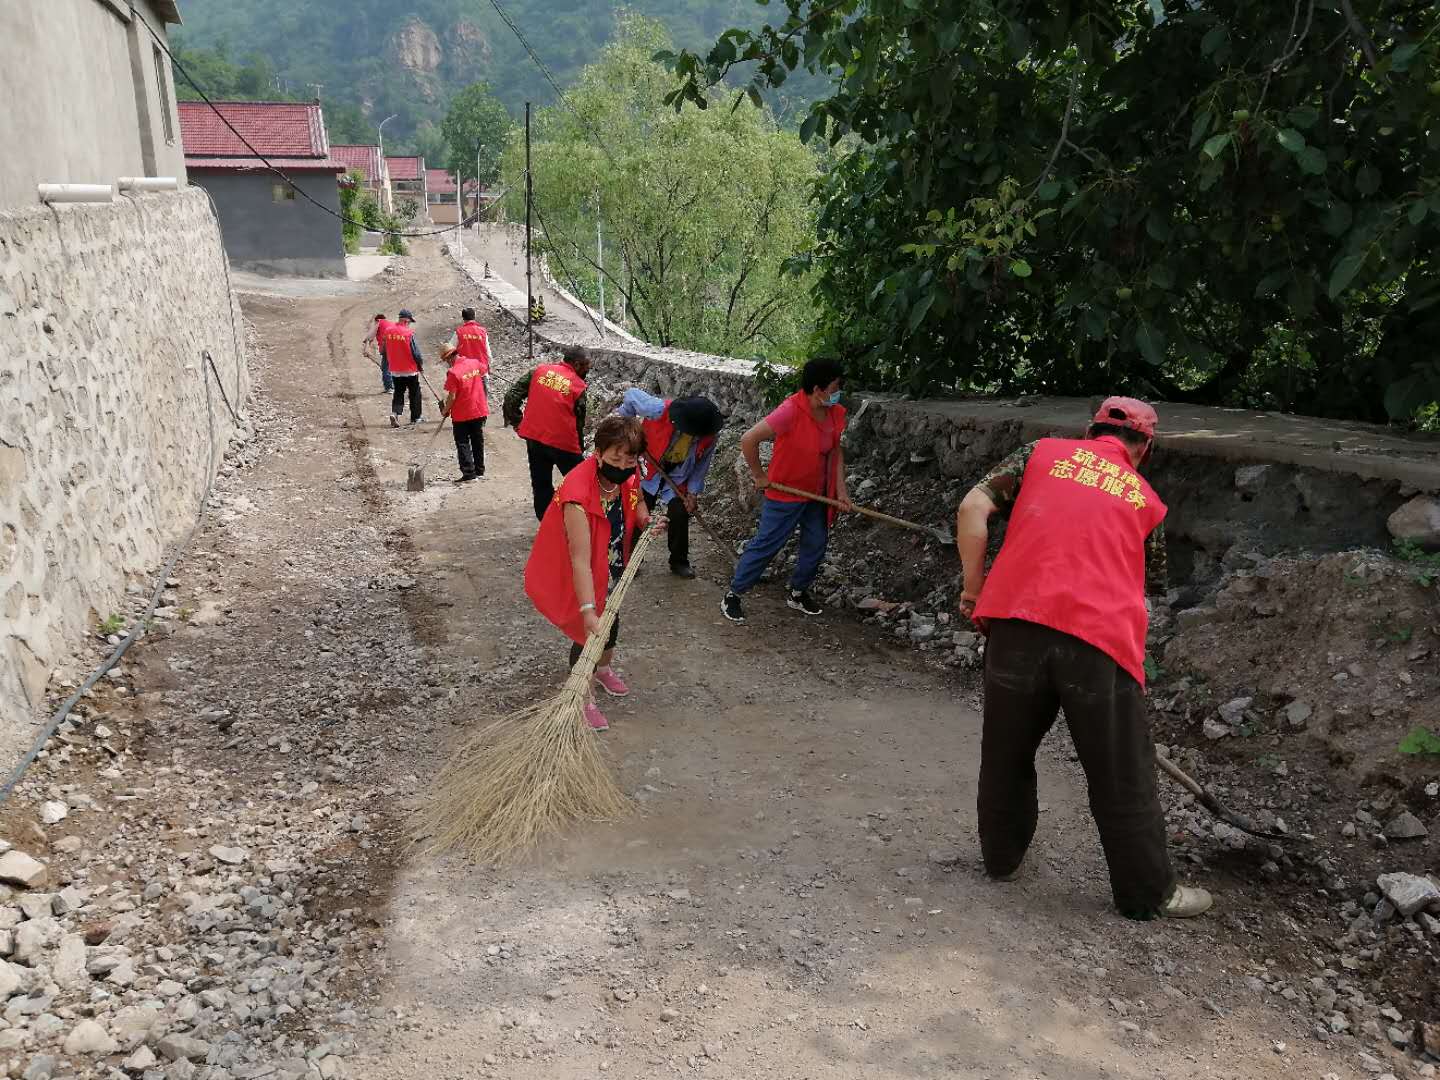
x=1065 y=612
x=584 y=543
x=806 y=431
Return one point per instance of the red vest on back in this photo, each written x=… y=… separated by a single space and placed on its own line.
x=798 y=461
x=466 y=380
x=550 y=407
x=396 y=340
x=548 y=580
x=659 y=434
x=473 y=342
x=1074 y=551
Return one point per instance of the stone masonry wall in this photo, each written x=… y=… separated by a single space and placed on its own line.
x=1235 y=483
x=106 y=439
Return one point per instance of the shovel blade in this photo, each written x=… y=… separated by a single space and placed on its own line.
x=416 y=480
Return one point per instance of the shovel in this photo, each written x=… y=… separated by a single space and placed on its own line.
x=940 y=535
x=416 y=480
x=729 y=555
x=1216 y=808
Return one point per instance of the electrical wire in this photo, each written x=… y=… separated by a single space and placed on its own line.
x=408 y=234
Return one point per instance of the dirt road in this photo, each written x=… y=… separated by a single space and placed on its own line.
x=798 y=895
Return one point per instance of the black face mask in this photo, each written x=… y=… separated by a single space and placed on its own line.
x=615 y=474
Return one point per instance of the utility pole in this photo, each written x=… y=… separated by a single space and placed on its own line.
x=478 y=147
x=529 y=202
x=600 y=262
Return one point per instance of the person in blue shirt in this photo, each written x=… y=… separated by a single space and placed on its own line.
x=681 y=436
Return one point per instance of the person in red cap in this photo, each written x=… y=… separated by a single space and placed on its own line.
x=1065 y=615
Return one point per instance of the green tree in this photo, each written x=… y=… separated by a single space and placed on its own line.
x=1223 y=201
x=352 y=193
x=475 y=127
x=699 y=209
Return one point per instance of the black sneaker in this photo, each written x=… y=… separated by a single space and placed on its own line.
x=394 y=420
x=682 y=570
x=731 y=608
x=801 y=600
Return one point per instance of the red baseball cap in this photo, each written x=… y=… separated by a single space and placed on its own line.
x=1128 y=413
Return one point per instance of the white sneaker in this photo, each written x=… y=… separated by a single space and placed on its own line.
x=1186 y=902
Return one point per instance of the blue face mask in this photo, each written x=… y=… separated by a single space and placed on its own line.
x=833 y=399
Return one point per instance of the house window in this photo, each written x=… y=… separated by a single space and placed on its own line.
x=166 y=119
x=282 y=193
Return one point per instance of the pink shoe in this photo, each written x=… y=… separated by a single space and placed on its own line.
x=595 y=718
x=610 y=682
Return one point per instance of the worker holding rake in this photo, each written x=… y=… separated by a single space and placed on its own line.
x=583 y=545
x=1065 y=613
x=806 y=431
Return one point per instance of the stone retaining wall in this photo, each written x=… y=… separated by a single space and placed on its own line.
x=106 y=440
x=1235 y=481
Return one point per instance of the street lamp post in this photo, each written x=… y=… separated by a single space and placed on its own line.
x=387 y=199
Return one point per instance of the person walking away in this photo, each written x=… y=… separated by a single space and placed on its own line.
x=374 y=338
x=1065 y=613
x=402 y=352
x=806 y=431
x=467 y=406
x=681 y=436
x=584 y=543
x=546 y=407
x=471 y=340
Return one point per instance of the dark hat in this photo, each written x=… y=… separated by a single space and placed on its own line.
x=405 y=314
x=696 y=416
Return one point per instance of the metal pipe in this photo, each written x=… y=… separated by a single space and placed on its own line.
x=145 y=184
x=76 y=193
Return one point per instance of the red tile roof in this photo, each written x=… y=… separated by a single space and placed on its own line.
x=405 y=168
x=362 y=156
x=289 y=130
x=438 y=181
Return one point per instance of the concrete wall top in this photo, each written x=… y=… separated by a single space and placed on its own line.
x=87 y=100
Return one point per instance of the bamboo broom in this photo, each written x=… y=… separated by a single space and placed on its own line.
x=527 y=775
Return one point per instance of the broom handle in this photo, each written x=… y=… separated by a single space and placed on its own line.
x=876 y=514
x=695 y=513
x=595 y=644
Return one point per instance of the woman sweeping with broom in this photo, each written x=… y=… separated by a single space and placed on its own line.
x=584 y=543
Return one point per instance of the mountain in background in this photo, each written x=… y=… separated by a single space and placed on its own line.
x=372 y=58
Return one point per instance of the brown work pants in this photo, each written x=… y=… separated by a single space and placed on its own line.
x=1031 y=673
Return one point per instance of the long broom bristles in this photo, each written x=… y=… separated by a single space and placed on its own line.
x=529 y=774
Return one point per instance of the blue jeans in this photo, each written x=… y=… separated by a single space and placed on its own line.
x=385 y=373
x=778 y=521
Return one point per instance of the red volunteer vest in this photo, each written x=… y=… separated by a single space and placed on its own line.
x=467 y=380
x=797 y=461
x=550 y=407
x=473 y=343
x=1074 y=551
x=548 y=579
x=659 y=434
x=396 y=337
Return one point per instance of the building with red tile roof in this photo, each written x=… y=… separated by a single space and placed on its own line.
x=366 y=159
x=276 y=185
x=407 y=181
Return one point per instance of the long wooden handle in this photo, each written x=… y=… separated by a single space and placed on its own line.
x=876 y=514
x=729 y=554
x=430 y=446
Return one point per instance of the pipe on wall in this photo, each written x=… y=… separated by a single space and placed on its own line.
x=76 y=193
x=141 y=185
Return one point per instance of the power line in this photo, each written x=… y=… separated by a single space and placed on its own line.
x=160 y=43
x=550 y=78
